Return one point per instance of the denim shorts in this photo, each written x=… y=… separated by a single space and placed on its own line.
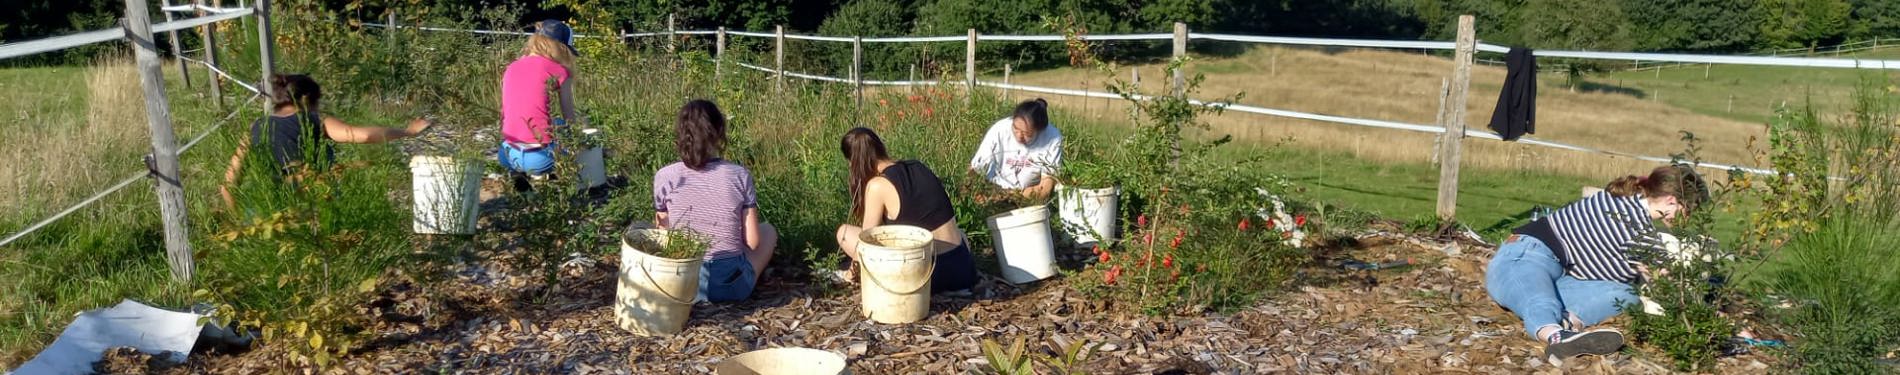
x=726 y=279
x=539 y=161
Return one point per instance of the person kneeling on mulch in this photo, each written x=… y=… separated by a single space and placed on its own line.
x=1575 y=268
x=715 y=198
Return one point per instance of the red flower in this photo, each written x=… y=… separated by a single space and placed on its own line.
x=1104 y=257
x=1141 y=220
x=1244 y=223
x=1167 y=262
x=1109 y=277
x=1272 y=224
x=1178 y=235
x=929 y=112
x=1148 y=238
x=916 y=98
x=1097 y=249
x=1286 y=234
x=1175 y=275
x=1299 y=220
x=883 y=103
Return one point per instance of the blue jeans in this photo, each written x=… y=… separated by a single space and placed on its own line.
x=726 y=279
x=1525 y=277
x=537 y=162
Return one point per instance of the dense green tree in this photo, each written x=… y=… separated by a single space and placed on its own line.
x=1574 y=25
x=1875 y=19
x=1693 y=25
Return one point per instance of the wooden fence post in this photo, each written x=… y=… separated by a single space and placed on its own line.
x=1180 y=52
x=857 y=73
x=390 y=32
x=672 y=35
x=163 y=162
x=266 y=55
x=969 y=68
x=779 y=50
x=1007 y=97
x=913 y=79
x=719 y=54
x=1454 y=122
x=209 y=34
x=177 y=44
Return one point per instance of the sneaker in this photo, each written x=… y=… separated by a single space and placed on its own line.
x=1566 y=344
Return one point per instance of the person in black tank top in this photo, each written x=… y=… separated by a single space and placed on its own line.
x=887 y=192
x=296 y=126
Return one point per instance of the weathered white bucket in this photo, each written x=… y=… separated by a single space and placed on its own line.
x=447 y=194
x=1088 y=215
x=783 y=361
x=593 y=164
x=897 y=261
x=1024 y=247
x=655 y=295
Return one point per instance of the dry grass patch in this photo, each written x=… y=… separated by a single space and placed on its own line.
x=1403 y=87
x=76 y=138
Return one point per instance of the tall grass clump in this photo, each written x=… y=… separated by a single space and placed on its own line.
x=1828 y=231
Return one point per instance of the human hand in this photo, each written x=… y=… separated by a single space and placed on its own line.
x=419 y=125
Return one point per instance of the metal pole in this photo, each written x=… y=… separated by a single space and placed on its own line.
x=719 y=54
x=969 y=68
x=210 y=37
x=266 y=55
x=1454 y=123
x=163 y=161
x=779 y=50
x=857 y=71
x=184 y=74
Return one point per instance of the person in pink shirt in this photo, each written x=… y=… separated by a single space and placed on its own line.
x=527 y=138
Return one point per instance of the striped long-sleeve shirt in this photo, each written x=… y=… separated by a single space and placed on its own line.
x=1598 y=237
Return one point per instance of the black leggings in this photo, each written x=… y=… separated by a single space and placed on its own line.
x=956 y=270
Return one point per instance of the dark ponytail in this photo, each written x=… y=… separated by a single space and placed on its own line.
x=295 y=90
x=700 y=133
x=1680 y=181
x=1035 y=111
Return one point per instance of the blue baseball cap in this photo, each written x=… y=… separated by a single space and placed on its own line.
x=558 y=31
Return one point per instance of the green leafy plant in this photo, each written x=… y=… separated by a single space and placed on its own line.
x=1017 y=359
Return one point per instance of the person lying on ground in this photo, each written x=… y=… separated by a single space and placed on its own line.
x=527 y=137
x=1021 y=153
x=888 y=192
x=1576 y=267
x=713 y=197
x=298 y=134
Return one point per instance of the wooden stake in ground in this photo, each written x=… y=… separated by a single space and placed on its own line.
x=1454 y=121
x=1180 y=84
x=210 y=37
x=719 y=54
x=857 y=76
x=164 y=159
x=672 y=36
x=266 y=53
x=177 y=44
x=1007 y=98
x=778 y=49
x=969 y=68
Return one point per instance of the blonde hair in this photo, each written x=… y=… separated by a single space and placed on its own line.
x=548 y=47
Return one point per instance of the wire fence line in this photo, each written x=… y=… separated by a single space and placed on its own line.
x=11 y=50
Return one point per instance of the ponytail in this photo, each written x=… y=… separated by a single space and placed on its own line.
x=1677 y=180
x=1035 y=111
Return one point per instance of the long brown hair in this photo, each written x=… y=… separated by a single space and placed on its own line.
x=862 y=151
x=552 y=49
x=1678 y=180
x=700 y=133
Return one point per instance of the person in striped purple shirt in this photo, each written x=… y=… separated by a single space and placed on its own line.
x=1577 y=266
x=714 y=198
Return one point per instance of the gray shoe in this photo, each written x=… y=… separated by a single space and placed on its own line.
x=1567 y=344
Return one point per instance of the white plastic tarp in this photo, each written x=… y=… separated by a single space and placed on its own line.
x=130 y=324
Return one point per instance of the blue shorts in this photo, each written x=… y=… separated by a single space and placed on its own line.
x=726 y=279
x=538 y=161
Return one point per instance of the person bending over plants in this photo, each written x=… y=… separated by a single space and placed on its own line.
x=527 y=141
x=904 y=192
x=714 y=198
x=1576 y=267
x=298 y=134
x=1021 y=153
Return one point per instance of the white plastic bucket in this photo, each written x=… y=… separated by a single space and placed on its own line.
x=783 y=361
x=593 y=168
x=1088 y=215
x=447 y=194
x=897 y=261
x=655 y=295
x=1024 y=247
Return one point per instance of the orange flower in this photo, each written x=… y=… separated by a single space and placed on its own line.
x=883 y=103
x=1244 y=223
x=1167 y=262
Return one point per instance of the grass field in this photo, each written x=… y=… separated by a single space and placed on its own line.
x=1750 y=93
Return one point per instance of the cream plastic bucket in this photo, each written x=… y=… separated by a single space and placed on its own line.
x=783 y=361
x=1088 y=215
x=593 y=164
x=447 y=194
x=896 y=262
x=1024 y=247
x=655 y=295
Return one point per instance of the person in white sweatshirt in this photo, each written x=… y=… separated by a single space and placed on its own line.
x=1021 y=153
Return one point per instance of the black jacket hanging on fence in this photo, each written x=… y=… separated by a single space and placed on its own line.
x=1517 y=103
